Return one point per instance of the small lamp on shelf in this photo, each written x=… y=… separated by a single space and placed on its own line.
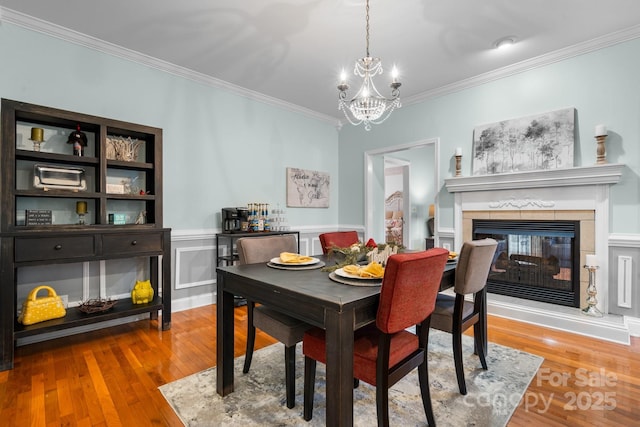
x=81 y=210
x=431 y=219
x=37 y=136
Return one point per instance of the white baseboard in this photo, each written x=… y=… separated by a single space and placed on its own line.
x=612 y=328
x=634 y=326
x=195 y=301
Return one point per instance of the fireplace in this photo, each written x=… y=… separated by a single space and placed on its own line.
x=535 y=259
x=572 y=194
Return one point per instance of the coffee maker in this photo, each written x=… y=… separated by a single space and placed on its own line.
x=233 y=219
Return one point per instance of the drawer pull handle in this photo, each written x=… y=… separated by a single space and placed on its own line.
x=57 y=247
x=134 y=242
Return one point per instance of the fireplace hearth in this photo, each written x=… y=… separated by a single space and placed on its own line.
x=535 y=259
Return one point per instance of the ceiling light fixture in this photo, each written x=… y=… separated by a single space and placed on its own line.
x=368 y=106
x=504 y=42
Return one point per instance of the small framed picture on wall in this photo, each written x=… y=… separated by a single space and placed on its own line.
x=307 y=188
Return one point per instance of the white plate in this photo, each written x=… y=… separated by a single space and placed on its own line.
x=340 y=272
x=452 y=260
x=277 y=260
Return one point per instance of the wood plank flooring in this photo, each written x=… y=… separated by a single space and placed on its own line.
x=110 y=377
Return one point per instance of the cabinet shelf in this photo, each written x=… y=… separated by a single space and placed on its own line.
x=58 y=193
x=41 y=156
x=121 y=164
x=54 y=238
x=75 y=317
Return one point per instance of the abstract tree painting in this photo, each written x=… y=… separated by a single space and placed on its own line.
x=543 y=141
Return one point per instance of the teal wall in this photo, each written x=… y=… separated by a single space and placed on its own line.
x=603 y=86
x=223 y=149
x=220 y=149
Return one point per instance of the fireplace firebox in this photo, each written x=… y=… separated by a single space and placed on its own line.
x=536 y=260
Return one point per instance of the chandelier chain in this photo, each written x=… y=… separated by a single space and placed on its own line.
x=367 y=40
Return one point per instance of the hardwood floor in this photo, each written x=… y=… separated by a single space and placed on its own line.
x=110 y=377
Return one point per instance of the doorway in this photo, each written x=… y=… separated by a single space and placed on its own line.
x=422 y=159
x=396 y=201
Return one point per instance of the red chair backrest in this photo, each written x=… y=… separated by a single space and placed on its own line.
x=409 y=288
x=341 y=239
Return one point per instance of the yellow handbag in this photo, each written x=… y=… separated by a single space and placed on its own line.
x=36 y=310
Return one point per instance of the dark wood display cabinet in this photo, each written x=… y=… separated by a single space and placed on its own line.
x=77 y=188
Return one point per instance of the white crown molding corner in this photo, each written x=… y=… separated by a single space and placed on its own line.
x=66 y=34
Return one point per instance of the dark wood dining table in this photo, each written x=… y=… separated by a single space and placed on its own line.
x=313 y=297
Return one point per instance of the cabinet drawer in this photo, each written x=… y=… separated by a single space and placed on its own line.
x=52 y=248
x=131 y=243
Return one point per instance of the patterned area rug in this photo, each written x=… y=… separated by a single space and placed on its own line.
x=259 y=396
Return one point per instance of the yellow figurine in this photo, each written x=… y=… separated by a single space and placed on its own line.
x=142 y=292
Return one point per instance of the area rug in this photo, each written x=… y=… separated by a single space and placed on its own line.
x=259 y=396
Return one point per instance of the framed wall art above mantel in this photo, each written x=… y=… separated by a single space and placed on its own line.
x=542 y=141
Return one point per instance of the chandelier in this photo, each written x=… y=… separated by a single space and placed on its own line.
x=368 y=106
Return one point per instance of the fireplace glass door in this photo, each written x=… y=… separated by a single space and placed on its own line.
x=535 y=260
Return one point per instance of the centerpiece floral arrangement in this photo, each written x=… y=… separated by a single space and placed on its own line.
x=359 y=251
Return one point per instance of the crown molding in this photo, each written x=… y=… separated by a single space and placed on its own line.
x=39 y=25
x=66 y=34
x=529 y=64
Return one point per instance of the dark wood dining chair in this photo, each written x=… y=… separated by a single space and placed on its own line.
x=454 y=314
x=341 y=239
x=384 y=352
x=286 y=329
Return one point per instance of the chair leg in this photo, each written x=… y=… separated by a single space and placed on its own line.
x=457 y=357
x=290 y=375
x=251 y=337
x=309 y=387
x=478 y=339
x=423 y=376
x=382 y=404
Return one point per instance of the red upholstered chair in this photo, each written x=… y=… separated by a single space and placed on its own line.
x=455 y=315
x=384 y=352
x=288 y=330
x=341 y=239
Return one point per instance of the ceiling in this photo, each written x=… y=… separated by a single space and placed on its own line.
x=294 y=50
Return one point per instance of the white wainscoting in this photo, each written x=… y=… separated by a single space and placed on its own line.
x=189 y=257
x=188 y=246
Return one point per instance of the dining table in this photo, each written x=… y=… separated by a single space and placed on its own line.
x=308 y=294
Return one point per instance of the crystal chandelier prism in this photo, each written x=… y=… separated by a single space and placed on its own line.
x=368 y=105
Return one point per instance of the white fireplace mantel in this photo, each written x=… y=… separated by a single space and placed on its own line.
x=608 y=173
x=571 y=189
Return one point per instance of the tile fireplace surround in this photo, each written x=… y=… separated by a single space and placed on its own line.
x=579 y=194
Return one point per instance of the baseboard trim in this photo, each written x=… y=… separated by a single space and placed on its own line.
x=195 y=301
x=634 y=326
x=612 y=328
